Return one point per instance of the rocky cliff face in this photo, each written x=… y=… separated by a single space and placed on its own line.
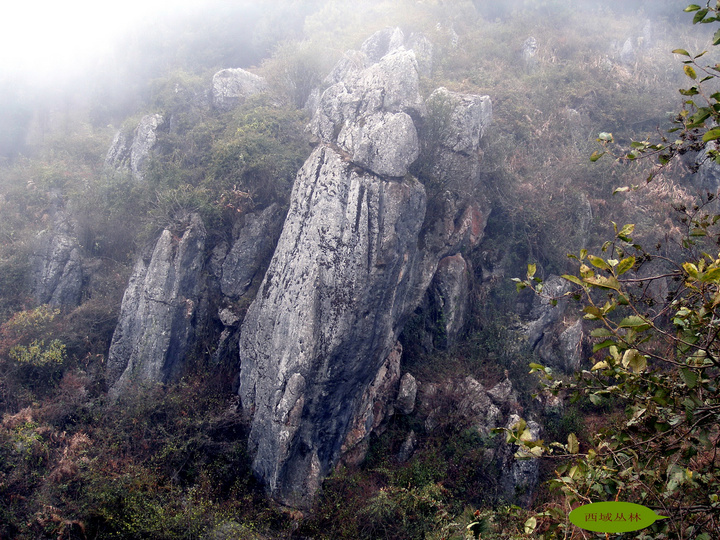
x=159 y=311
x=355 y=257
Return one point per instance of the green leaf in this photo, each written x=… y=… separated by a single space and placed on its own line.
x=597 y=262
x=711 y=135
x=603 y=345
x=690 y=377
x=530 y=525
x=600 y=365
x=601 y=332
x=690 y=72
x=700 y=15
x=603 y=282
x=572 y=279
x=633 y=321
x=532 y=268
x=605 y=137
x=596 y=155
x=625 y=265
x=634 y=360
x=681 y=51
x=573 y=446
x=692 y=7
x=595 y=399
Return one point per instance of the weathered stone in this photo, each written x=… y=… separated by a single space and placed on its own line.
x=555 y=332
x=529 y=53
x=502 y=392
x=423 y=49
x=451 y=137
x=450 y=293
x=376 y=405
x=252 y=248
x=158 y=312
x=385 y=143
x=407 y=448
x=382 y=42
x=405 y=401
x=231 y=87
x=342 y=281
x=56 y=270
x=627 y=53
x=476 y=407
x=571 y=345
x=130 y=153
x=227 y=317
x=368 y=113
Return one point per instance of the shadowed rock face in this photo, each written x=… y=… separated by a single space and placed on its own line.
x=342 y=281
x=158 y=312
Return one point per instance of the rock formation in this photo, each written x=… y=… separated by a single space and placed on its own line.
x=159 y=311
x=56 y=269
x=354 y=259
x=250 y=250
x=130 y=151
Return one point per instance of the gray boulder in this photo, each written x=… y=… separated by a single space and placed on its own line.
x=159 y=311
x=376 y=405
x=627 y=53
x=231 y=87
x=253 y=246
x=382 y=42
x=556 y=332
x=405 y=401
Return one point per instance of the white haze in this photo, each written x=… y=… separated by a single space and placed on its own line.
x=42 y=39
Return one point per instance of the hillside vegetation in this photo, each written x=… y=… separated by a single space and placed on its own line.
x=171 y=461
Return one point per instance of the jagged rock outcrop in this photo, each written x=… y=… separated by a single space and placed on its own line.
x=368 y=113
x=159 y=311
x=343 y=279
x=376 y=404
x=465 y=401
x=450 y=296
x=56 y=270
x=354 y=259
x=129 y=152
x=455 y=126
x=253 y=246
x=231 y=87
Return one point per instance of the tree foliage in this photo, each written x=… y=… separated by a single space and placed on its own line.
x=656 y=351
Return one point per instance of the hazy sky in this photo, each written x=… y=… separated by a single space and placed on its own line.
x=50 y=36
